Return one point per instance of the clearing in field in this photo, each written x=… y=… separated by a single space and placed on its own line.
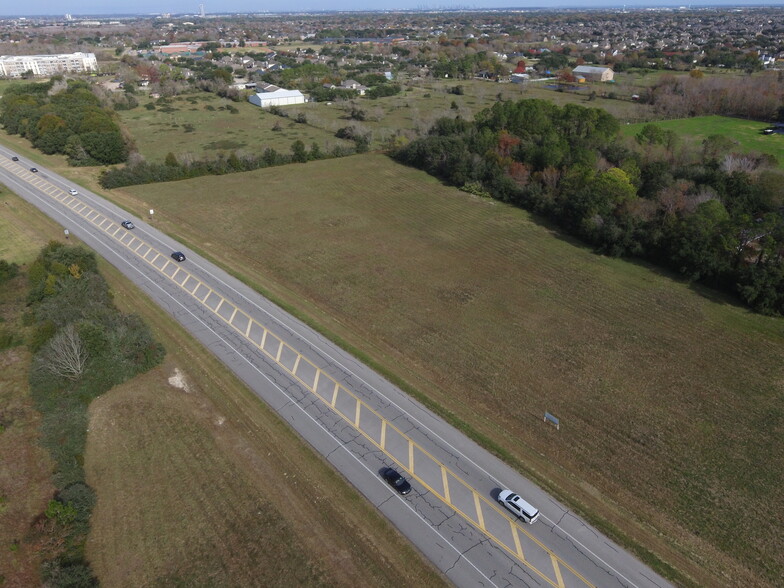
x=669 y=398
x=747 y=133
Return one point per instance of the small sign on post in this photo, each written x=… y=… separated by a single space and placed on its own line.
x=548 y=418
x=66 y=233
x=151 y=213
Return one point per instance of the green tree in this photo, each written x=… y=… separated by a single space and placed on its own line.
x=105 y=148
x=650 y=134
x=299 y=153
x=714 y=147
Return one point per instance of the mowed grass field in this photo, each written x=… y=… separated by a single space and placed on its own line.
x=197 y=482
x=187 y=126
x=670 y=399
x=747 y=133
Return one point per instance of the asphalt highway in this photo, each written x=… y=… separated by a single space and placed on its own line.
x=360 y=422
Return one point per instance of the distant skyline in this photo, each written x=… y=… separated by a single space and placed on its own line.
x=97 y=7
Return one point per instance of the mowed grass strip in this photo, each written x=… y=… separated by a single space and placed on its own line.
x=748 y=133
x=669 y=399
x=172 y=509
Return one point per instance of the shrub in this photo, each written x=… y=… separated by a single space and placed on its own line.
x=9 y=338
x=67 y=573
x=8 y=271
x=41 y=334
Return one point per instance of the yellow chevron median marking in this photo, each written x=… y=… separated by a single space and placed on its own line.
x=557 y=569
x=445 y=481
x=516 y=538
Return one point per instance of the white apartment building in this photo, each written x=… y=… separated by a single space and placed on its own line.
x=15 y=66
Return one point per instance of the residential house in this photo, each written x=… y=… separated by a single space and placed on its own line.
x=354 y=85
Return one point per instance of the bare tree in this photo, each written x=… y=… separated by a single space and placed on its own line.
x=737 y=162
x=66 y=356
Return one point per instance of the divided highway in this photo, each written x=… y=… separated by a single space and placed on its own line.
x=356 y=419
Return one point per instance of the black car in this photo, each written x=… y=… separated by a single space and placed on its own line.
x=126 y=224
x=397 y=481
x=178 y=256
x=34 y=170
x=14 y=158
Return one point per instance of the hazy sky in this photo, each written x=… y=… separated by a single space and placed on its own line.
x=76 y=7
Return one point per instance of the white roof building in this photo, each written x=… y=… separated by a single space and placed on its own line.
x=277 y=98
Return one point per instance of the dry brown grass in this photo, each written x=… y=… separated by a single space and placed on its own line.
x=670 y=400
x=25 y=473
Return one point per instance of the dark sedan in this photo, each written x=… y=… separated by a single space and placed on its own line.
x=397 y=481
x=178 y=256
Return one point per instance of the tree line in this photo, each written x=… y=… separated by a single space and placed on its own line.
x=64 y=118
x=173 y=169
x=756 y=97
x=82 y=346
x=710 y=214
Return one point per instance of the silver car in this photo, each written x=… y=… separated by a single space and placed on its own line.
x=518 y=507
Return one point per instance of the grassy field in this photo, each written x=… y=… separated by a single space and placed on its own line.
x=25 y=475
x=670 y=398
x=192 y=485
x=187 y=126
x=190 y=128
x=746 y=132
x=419 y=105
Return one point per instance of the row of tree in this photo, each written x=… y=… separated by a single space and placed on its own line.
x=715 y=215
x=64 y=118
x=757 y=97
x=173 y=169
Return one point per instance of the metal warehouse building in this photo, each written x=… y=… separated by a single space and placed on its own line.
x=277 y=98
